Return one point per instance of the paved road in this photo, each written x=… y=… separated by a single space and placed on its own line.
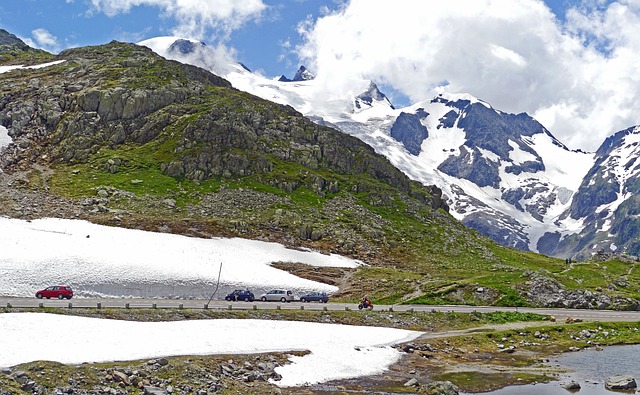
x=560 y=314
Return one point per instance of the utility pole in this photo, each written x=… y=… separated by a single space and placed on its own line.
x=217 y=285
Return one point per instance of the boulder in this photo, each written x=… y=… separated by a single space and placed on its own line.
x=148 y=390
x=571 y=386
x=440 y=388
x=622 y=382
x=412 y=383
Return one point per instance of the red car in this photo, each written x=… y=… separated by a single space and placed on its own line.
x=56 y=291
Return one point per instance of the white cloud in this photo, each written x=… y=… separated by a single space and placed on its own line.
x=43 y=39
x=578 y=77
x=194 y=17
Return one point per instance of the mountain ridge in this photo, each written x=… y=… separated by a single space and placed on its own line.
x=503 y=174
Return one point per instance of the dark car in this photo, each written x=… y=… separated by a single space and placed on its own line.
x=240 y=294
x=56 y=291
x=315 y=297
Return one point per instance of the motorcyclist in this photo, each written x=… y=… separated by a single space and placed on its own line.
x=365 y=301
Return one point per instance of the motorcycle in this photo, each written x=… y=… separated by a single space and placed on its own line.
x=366 y=304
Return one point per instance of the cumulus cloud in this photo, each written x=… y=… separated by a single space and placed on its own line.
x=41 y=38
x=577 y=76
x=194 y=18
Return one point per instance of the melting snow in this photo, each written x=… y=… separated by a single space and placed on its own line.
x=5 y=139
x=337 y=351
x=107 y=261
x=4 y=69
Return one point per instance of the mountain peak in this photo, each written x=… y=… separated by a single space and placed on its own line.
x=370 y=95
x=185 y=46
x=7 y=38
x=303 y=75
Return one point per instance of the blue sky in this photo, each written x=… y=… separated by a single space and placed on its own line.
x=572 y=64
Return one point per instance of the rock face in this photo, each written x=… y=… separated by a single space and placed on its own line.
x=410 y=132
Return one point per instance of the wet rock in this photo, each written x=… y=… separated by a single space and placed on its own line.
x=571 y=386
x=622 y=382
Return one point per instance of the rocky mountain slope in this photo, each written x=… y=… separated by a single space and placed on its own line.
x=121 y=136
x=607 y=203
x=502 y=174
x=14 y=50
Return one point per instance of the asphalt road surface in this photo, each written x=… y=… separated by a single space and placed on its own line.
x=560 y=314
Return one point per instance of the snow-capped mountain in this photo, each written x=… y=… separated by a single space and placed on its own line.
x=504 y=174
x=607 y=202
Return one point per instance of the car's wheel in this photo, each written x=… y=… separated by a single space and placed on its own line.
x=264 y=299
x=69 y=297
x=39 y=296
x=227 y=298
x=303 y=300
x=283 y=299
x=60 y=296
x=325 y=301
x=246 y=299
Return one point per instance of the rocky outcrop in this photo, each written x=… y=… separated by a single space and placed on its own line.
x=408 y=130
x=150 y=377
x=543 y=291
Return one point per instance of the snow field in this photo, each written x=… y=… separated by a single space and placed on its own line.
x=102 y=261
x=336 y=351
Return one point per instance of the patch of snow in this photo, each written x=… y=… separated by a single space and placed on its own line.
x=5 y=139
x=336 y=351
x=4 y=69
x=107 y=261
x=489 y=155
x=518 y=156
x=613 y=247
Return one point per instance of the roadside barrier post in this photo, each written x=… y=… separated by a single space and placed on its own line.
x=70 y=305
x=99 y=305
